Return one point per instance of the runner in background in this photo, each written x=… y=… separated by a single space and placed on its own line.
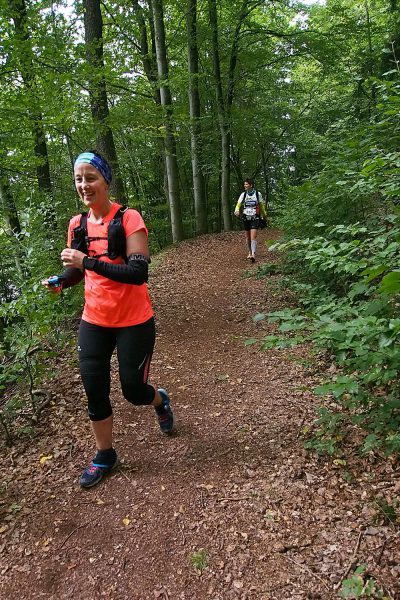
x=250 y=206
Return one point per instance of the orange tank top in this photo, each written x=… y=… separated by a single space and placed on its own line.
x=110 y=303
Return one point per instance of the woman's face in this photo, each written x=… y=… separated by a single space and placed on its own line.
x=90 y=185
x=247 y=186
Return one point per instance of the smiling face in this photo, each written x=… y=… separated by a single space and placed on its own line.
x=247 y=186
x=91 y=186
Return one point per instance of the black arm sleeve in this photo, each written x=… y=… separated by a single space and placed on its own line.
x=71 y=276
x=136 y=271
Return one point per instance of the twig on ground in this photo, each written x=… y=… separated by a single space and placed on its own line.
x=125 y=475
x=382 y=547
x=287 y=548
x=72 y=533
x=310 y=571
x=203 y=505
x=379 y=557
x=353 y=558
x=233 y=499
x=299 y=432
x=182 y=532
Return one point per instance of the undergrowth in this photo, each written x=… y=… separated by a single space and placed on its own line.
x=347 y=284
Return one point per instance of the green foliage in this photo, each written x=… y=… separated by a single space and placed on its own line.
x=199 y=559
x=388 y=510
x=33 y=323
x=361 y=585
x=327 y=433
x=346 y=311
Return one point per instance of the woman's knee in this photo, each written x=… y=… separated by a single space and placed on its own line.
x=99 y=409
x=139 y=394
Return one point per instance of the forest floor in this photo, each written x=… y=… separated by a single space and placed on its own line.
x=231 y=506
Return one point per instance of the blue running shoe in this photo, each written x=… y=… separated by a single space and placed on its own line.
x=95 y=472
x=164 y=413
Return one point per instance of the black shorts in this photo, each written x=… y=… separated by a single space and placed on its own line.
x=251 y=223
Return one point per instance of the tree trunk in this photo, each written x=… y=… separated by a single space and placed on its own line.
x=9 y=209
x=148 y=55
x=10 y=215
x=148 y=58
x=93 y=22
x=195 y=127
x=225 y=106
x=222 y=119
x=23 y=48
x=264 y=159
x=169 y=138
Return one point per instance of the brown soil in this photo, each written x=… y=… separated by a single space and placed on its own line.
x=231 y=506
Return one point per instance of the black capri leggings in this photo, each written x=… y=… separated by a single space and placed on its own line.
x=134 y=345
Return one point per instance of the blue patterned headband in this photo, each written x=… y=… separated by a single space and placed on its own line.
x=97 y=162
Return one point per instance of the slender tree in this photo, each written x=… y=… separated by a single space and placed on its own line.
x=169 y=139
x=148 y=57
x=222 y=118
x=195 y=126
x=10 y=214
x=93 y=22
x=9 y=211
x=225 y=102
x=25 y=58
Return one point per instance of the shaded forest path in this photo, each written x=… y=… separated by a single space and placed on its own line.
x=229 y=507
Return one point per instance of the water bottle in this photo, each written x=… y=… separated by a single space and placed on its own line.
x=55 y=281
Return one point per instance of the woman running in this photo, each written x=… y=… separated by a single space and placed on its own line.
x=108 y=248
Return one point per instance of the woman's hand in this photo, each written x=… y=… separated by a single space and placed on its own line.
x=237 y=213
x=72 y=258
x=54 y=289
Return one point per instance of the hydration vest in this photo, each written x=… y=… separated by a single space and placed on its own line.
x=251 y=205
x=115 y=236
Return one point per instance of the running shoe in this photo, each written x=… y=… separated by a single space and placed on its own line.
x=253 y=258
x=164 y=413
x=94 y=473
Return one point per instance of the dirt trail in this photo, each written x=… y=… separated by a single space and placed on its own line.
x=233 y=493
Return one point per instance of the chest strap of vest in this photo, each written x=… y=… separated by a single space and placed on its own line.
x=115 y=236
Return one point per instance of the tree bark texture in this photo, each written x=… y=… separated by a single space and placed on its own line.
x=195 y=126
x=169 y=138
x=11 y=217
x=148 y=57
x=222 y=119
x=93 y=23
x=24 y=53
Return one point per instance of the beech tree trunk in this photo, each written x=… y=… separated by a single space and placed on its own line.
x=10 y=215
x=195 y=127
x=148 y=58
x=222 y=119
x=224 y=106
x=23 y=49
x=169 y=138
x=93 y=23
x=148 y=54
